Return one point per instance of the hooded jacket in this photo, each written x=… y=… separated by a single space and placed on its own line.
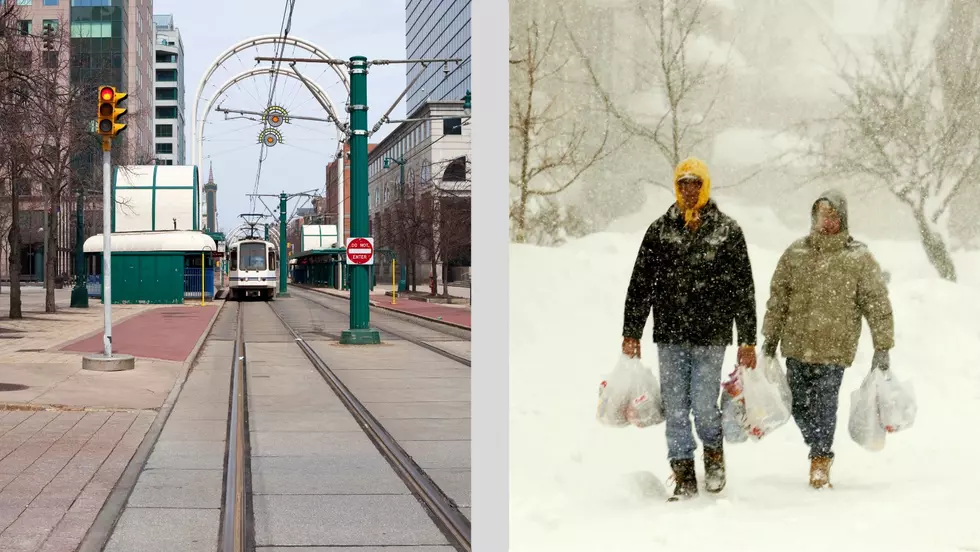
x=822 y=287
x=696 y=283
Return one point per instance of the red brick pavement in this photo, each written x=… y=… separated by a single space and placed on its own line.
x=432 y=311
x=166 y=333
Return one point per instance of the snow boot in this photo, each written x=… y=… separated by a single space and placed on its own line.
x=714 y=469
x=685 y=479
x=820 y=472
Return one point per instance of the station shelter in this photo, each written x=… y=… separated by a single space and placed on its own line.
x=318 y=268
x=161 y=267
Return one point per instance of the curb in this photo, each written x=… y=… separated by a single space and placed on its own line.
x=98 y=534
x=378 y=305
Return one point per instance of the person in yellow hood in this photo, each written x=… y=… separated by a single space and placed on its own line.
x=693 y=274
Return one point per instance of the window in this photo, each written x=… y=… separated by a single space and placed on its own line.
x=165 y=131
x=50 y=2
x=91 y=29
x=53 y=23
x=91 y=3
x=166 y=93
x=25 y=26
x=252 y=256
x=452 y=125
x=166 y=57
x=50 y=59
x=23 y=2
x=168 y=112
x=167 y=75
x=165 y=148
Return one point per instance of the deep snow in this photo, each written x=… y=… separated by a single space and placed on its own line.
x=578 y=486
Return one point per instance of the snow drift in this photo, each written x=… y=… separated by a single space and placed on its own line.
x=578 y=486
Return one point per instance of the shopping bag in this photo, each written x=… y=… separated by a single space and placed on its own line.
x=733 y=422
x=777 y=376
x=630 y=395
x=766 y=409
x=864 y=424
x=896 y=403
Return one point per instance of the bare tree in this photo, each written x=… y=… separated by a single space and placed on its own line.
x=556 y=136
x=689 y=87
x=16 y=82
x=447 y=208
x=909 y=123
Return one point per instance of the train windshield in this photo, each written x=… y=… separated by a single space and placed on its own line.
x=251 y=256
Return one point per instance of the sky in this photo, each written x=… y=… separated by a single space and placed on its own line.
x=342 y=29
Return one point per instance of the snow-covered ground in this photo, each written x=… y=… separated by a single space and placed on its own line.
x=577 y=486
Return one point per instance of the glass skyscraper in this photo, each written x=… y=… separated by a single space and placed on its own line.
x=437 y=29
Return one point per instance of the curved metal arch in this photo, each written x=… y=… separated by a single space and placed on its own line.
x=199 y=129
x=244 y=45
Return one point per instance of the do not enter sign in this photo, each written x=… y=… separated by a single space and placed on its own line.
x=360 y=251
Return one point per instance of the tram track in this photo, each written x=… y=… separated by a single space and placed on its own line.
x=386 y=328
x=237 y=533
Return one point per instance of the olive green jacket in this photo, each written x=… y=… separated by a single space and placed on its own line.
x=822 y=287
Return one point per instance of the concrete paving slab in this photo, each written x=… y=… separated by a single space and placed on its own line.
x=429 y=429
x=167 y=488
x=143 y=388
x=194 y=430
x=356 y=549
x=448 y=409
x=395 y=394
x=336 y=475
x=331 y=520
x=309 y=444
x=187 y=455
x=198 y=412
x=165 y=530
x=403 y=372
x=264 y=420
x=438 y=454
x=456 y=483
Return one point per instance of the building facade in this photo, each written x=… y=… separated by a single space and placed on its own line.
x=437 y=29
x=168 y=65
x=423 y=190
x=330 y=202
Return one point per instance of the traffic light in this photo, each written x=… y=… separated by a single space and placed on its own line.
x=467 y=100
x=110 y=112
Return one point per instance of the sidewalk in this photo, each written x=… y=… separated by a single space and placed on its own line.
x=67 y=435
x=439 y=312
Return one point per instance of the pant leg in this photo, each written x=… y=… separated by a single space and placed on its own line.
x=826 y=383
x=706 y=367
x=798 y=376
x=675 y=387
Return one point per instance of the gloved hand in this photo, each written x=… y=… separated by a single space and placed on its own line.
x=746 y=356
x=769 y=348
x=880 y=361
x=631 y=347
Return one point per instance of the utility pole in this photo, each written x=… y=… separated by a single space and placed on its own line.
x=357 y=134
x=79 y=293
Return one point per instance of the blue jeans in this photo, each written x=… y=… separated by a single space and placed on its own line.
x=690 y=380
x=816 y=390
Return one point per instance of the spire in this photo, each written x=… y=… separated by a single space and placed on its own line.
x=211 y=173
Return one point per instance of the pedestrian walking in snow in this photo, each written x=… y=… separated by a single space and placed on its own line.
x=692 y=273
x=823 y=285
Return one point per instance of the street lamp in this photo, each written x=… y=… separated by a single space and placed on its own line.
x=401 y=172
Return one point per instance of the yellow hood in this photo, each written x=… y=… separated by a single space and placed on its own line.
x=696 y=167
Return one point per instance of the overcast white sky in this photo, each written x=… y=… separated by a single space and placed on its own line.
x=374 y=29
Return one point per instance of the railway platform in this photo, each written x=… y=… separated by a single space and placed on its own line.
x=347 y=447
x=456 y=314
x=68 y=436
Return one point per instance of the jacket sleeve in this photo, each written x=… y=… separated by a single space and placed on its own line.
x=744 y=291
x=778 y=303
x=874 y=303
x=639 y=295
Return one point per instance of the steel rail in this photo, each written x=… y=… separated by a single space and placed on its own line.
x=442 y=509
x=234 y=530
x=401 y=335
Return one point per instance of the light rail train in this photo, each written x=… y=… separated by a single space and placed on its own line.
x=253 y=269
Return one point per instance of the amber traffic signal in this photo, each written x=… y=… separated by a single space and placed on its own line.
x=109 y=111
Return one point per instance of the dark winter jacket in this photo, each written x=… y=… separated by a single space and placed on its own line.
x=822 y=287
x=695 y=283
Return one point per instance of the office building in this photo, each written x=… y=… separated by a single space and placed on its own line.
x=168 y=65
x=437 y=29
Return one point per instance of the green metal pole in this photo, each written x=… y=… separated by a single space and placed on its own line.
x=360 y=332
x=79 y=293
x=283 y=253
x=266 y=232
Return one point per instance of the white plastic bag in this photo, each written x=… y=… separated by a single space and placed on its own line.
x=630 y=395
x=765 y=405
x=774 y=373
x=733 y=421
x=864 y=424
x=896 y=403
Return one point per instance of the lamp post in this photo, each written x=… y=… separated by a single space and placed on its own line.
x=79 y=293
